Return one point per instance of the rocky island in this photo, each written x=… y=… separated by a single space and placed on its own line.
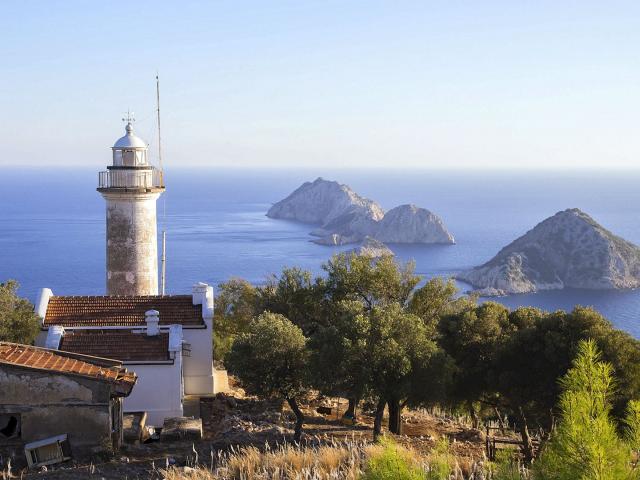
x=345 y=217
x=371 y=247
x=569 y=249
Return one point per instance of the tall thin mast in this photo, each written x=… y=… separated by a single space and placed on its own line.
x=158 y=112
x=163 y=259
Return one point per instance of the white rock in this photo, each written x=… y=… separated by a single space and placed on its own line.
x=411 y=224
x=568 y=249
x=346 y=217
x=321 y=202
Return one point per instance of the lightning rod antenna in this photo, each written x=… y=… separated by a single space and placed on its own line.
x=163 y=258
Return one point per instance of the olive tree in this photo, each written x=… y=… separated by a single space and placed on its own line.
x=18 y=322
x=237 y=304
x=369 y=280
x=297 y=295
x=338 y=354
x=405 y=364
x=271 y=360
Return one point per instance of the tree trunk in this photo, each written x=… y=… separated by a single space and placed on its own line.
x=297 y=432
x=351 y=409
x=475 y=421
x=527 y=444
x=377 y=423
x=395 y=418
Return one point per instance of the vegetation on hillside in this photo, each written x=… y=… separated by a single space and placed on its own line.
x=350 y=460
x=586 y=444
x=371 y=330
x=18 y=322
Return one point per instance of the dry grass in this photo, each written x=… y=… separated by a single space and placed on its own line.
x=287 y=462
x=348 y=460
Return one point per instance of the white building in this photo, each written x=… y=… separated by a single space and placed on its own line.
x=165 y=339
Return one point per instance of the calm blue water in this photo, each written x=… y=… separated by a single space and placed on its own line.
x=52 y=225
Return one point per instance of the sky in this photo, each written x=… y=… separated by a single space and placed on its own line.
x=335 y=83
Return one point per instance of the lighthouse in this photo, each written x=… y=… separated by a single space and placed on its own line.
x=131 y=186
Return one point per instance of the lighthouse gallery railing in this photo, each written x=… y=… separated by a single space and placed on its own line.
x=151 y=178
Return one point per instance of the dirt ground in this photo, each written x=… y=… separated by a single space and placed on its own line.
x=421 y=430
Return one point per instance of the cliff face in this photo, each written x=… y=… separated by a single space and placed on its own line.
x=346 y=217
x=568 y=249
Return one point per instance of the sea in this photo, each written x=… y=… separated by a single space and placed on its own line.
x=52 y=225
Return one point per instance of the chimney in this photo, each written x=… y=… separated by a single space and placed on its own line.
x=203 y=295
x=42 y=303
x=152 y=317
x=199 y=293
x=54 y=336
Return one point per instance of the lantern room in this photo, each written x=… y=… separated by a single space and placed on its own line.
x=130 y=150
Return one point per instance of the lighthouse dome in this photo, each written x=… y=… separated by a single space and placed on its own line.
x=130 y=140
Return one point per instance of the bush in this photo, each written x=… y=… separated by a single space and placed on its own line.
x=506 y=467
x=441 y=461
x=389 y=461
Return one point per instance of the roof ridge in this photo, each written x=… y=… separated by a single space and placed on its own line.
x=122 y=310
x=123 y=296
x=66 y=363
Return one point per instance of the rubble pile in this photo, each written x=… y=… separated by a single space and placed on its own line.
x=230 y=420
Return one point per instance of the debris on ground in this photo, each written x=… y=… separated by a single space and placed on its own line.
x=181 y=428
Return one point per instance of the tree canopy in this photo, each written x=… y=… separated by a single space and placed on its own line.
x=271 y=360
x=18 y=322
x=586 y=443
x=371 y=329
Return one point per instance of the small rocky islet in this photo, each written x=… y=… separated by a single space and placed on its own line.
x=567 y=250
x=344 y=217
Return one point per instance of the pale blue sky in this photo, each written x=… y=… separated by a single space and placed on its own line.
x=462 y=84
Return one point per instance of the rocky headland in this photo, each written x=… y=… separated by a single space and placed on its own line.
x=345 y=217
x=569 y=249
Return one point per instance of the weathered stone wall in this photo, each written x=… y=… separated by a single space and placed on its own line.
x=132 y=243
x=49 y=405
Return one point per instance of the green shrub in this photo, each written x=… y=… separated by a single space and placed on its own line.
x=441 y=461
x=392 y=462
x=505 y=467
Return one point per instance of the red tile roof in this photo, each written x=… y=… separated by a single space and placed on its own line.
x=121 y=311
x=59 y=362
x=122 y=345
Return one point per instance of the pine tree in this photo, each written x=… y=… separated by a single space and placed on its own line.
x=586 y=444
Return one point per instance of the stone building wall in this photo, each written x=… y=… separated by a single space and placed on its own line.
x=48 y=404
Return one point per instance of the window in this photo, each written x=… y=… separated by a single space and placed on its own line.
x=10 y=426
x=48 y=451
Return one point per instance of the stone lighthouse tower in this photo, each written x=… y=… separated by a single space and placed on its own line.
x=131 y=186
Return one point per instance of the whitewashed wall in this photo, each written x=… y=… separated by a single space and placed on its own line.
x=198 y=368
x=157 y=392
